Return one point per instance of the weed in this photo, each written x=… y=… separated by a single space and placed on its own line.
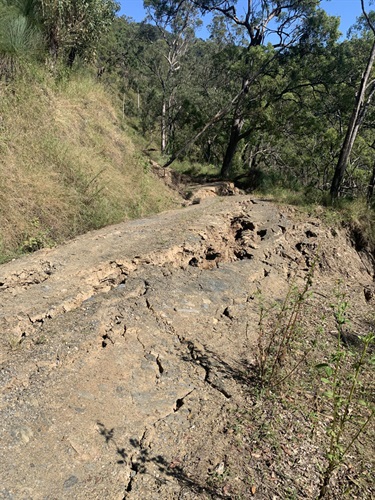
x=276 y=345
x=349 y=416
x=37 y=238
x=15 y=343
x=196 y=170
x=41 y=340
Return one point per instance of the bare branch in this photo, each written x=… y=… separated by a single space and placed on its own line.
x=371 y=25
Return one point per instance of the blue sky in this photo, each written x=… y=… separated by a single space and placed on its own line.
x=348 y=10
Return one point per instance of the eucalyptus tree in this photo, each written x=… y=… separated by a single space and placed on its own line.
x=267 y=29
x=207 y=84
x=176 y=26
x=363 y=98
x=120 y=60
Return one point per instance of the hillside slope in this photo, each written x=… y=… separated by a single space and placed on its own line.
x=67 y=164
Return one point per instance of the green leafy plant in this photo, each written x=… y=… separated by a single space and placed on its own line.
x=37 y=238
x=350 y=414
x=275 y=345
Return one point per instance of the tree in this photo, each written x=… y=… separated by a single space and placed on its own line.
x=267 y=28
x=371 y=185
x=176 y=27
x=74 y=27
x=363 y=99
x=281 y=19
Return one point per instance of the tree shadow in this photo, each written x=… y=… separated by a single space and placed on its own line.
x=139 y=457
x=139 y=462
x=108 y=435
x=241 y=371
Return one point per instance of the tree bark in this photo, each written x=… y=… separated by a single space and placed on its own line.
x=235 y=132
x=71 y=57
x=163 y=127
x=234 y=139
x=356 y=119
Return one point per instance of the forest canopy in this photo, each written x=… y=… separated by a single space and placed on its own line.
x=272 y=96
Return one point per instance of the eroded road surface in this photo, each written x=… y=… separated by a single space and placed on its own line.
x=122 y=350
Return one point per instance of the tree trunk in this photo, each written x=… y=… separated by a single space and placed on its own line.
x=54 y=52
x=234 y=139
x=207 y=153
x=163 y=127
x=371 y=186
x=219 y=115
x=356 y=119
x=71 y=57
x=235 y=132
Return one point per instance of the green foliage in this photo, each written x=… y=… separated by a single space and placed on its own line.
x=336 y=391
x=277 y=343
x=65 y=28
x=350 y=413
x=36 y=238
x=74 y=27
x=283 y=130
x=20 y=35
x=291 y=117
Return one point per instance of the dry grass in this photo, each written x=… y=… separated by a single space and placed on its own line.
x=67 y=164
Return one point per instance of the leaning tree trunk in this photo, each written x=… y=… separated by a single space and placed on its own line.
x=219 y=115
x=356 y=119
x=235 y=131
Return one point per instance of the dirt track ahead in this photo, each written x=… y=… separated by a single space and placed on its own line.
x=124 y=351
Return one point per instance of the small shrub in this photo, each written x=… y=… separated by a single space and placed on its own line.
x=349 y=411
x=37 y=238
x=275 y=345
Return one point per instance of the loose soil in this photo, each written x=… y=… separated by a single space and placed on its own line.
x=128 y=354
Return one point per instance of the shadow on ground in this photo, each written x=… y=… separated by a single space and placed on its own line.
x=140 y=461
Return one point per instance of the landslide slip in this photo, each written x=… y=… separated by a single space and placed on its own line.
x=122 y=350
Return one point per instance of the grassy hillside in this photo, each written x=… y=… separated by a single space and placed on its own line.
x=67 y=164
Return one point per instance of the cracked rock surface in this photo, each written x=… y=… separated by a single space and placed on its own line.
x=122 y=350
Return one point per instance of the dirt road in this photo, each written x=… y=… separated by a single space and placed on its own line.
x=124 y=351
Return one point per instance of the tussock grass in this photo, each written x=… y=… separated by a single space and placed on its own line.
x=67 y=165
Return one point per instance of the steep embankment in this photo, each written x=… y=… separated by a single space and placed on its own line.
x=127 y=354
x=67 y=164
